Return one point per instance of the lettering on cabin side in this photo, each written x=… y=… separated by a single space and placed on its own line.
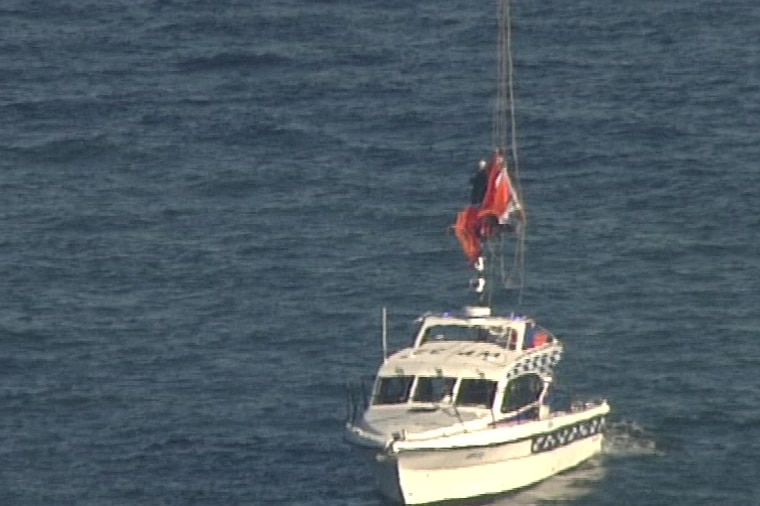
x=481 y=354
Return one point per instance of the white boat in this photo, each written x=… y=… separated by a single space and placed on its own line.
x=466 y=410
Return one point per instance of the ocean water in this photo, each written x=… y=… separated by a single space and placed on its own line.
x=206 y=205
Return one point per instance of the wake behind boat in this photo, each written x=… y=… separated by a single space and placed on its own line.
x=467 y=409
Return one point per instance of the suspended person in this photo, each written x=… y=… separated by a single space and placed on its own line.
x=479 y=182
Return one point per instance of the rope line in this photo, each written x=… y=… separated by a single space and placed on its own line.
x=505 y=139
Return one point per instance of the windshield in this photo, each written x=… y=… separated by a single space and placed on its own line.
x=435 y=389
x=476 y=392
x=393 y=390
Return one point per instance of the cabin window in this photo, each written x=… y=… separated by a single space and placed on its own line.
x=393 y=390
x=461 y=333
x=476 y=392
x=434 y=389
x=449 y=333
x=521 y=392
x=536 y=336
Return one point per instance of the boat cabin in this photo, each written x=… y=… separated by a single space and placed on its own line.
x=476 y=384
x=499 y=364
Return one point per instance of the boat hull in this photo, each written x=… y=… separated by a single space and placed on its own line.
x=429 y=475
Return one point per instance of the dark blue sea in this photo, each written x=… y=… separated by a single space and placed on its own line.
x=206 y=204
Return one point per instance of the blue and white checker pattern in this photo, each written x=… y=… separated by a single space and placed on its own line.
x=540 y=363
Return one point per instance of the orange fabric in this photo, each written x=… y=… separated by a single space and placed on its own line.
x=540 y=339
x=476 y=223
x=498 y=192
x=466 y=230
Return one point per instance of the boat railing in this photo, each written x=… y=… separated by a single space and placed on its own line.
x=584 y=404
x=528 y=413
